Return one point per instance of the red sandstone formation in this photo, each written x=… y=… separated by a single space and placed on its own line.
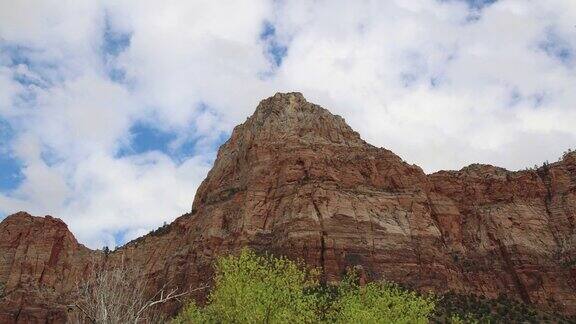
x=296 y=180
x=40 y=261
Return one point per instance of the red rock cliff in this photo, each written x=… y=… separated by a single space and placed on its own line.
x=296 y=180
x=40 y=261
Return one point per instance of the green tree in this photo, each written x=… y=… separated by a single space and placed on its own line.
x=250 y=288
x=257 y=289
x=379 y=302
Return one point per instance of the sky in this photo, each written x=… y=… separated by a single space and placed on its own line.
x=111 y=112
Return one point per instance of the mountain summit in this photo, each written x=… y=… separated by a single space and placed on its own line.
x=296 y=180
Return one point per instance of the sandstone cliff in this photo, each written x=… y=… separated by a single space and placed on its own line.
x=296 y=180
x=40 y=261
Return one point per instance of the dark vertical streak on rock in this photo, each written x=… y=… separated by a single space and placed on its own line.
x=55 y=252
x=322 y=237
x=512 y=271
x=18 y=313
x=434 y=217
x=544 y=174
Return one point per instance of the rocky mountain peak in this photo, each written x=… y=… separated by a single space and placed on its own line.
x=282 y=101
x=285 y=132
x=295 y=180
x=289 y=116
x=22 y=222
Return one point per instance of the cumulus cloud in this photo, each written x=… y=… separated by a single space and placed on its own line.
x=437 y=83
x=116 y=108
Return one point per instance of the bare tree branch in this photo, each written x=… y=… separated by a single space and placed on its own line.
x=171 y=295
x=122 y=295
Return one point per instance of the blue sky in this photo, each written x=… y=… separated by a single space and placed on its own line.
x=111 y=113
x=479 y=4
x=11 y=168
x=274 y=49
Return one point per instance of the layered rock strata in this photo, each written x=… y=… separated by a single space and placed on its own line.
x=298 y=181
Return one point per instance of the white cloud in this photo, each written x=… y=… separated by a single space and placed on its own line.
x=376 y=67
x=436 y=82
x=131 y=193
x=186 y=53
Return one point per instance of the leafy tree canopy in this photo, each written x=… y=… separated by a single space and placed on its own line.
x=250 y=288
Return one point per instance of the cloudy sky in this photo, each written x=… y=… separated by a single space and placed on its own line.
x=111 y=111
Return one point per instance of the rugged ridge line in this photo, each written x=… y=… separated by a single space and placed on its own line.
x=296 y=180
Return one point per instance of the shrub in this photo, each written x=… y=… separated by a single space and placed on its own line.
x=457 y=319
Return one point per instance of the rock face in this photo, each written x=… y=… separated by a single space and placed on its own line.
x=40 y=261
x=296 y=180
